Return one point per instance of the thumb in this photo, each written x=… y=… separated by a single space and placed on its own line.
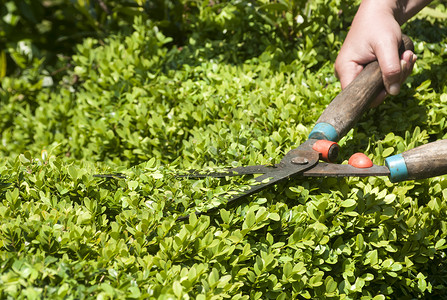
x=346 y=72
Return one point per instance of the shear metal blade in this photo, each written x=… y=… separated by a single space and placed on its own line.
x=238 y=171
x=261 y=182
x=335 y=170
x=115 y=175
x=285 y=169
x=265 y=180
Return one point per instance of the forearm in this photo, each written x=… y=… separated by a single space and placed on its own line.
x=408 y=8
x=402 y=10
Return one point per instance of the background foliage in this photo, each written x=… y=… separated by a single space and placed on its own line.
x=151 y=88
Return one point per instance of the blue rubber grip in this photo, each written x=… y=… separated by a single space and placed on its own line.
x=398 y=168
x=324 y=131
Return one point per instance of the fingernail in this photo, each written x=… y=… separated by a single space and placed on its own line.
x=414 y=58
x=394 y=89
x=403 y=64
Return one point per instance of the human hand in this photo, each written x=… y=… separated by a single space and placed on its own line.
x=374 y=35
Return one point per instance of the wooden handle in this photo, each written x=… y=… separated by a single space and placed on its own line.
x=425 y=161
x=345 y=109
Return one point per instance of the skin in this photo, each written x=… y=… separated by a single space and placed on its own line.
x=375 y=34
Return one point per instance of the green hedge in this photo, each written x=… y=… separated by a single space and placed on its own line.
x=209 y=84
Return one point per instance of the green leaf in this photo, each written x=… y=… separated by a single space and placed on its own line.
x=132 y=184
x=388 y=151
x=372 y=258
x=422 y=284
x=348 y=203
x=316 y=280
x=177 y=288
x=73 y=171
x=274 y=7
x=331 y=285
x=249 y=220
x=2 y=64
x=440 y=243
x=24 y=159
x=433 y=13
x=389 y=198
x=157 y=175
x=287 y=269
x=225 y=215
x=274 y=217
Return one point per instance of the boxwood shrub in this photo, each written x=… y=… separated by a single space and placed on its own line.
x=212 y=84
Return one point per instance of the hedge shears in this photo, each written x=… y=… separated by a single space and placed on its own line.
x=337 y=119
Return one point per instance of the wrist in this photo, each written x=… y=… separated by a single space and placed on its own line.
x=401 y=10
x=408 y=8
x=378 y=9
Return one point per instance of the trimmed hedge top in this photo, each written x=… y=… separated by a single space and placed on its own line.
x=228 y=83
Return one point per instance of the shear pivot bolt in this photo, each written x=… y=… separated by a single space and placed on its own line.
x=299 y=160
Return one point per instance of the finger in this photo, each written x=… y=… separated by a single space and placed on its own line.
x=409 y=58
x=407 y=64
x=389 y=62
x=379 y=99
x=407 y=55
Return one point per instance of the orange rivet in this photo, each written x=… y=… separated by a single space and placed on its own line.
x=360 y=160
